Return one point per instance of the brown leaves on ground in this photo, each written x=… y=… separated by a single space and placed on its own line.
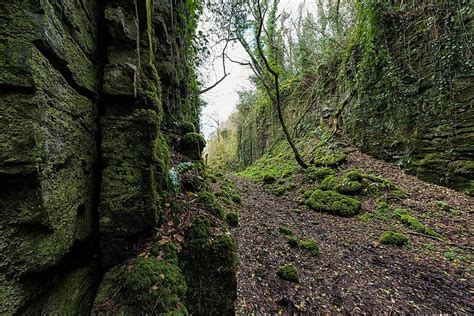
x=354 y=273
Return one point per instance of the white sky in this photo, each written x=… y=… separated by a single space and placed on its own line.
x=222 y=100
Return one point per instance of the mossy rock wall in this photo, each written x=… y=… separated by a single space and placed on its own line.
x=91 y=93
x=48 y=83
x=419 y=111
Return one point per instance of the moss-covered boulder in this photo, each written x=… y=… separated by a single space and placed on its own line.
x=192 y=145
x=393 y=238
x=135 y=288
x=331 y=160
x=334 y=203
x=288 y=272
x=209 y=262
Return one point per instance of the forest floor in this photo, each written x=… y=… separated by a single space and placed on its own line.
x=354 y=273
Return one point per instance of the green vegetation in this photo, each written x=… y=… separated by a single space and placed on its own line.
x=393 y=238
x=288 y=272
x=309 y=245
x=319 y=173
x=331 y=160
x=416 y=225
x=285 y=230
x=334 y=203
x=208 y=199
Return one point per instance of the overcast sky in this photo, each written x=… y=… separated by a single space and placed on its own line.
x=222 y=100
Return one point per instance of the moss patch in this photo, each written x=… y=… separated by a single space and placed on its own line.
x=416 y=225
x=288 y=272
x=334 y=203
x=393 y=238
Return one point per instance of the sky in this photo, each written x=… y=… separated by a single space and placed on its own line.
x=222 y=100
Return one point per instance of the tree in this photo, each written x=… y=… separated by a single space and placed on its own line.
x=252 y=23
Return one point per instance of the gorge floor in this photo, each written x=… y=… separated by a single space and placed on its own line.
x=354 y=273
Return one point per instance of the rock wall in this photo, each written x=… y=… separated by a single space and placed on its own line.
x=94 y=97
x=48 y=156
x=427 y=123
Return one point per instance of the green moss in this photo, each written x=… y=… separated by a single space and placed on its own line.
x=319 y=173
x=330 y=183
x=350 y=187
x=416 y=225
x=331 y=160
x=186 y=127
x=236 y=198
x=208 y=199
x=309 y=245
x=334 y=203
x=393 y=238
x=137 y=287
x=232 y=218
x=288 y=272
x=150 y=281
x=209 y=262
x=168 y=251
x=355 y=175
x=285 y=230
x=191 y=145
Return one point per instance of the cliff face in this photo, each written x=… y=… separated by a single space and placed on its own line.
x=94 y=95
x=402 y=90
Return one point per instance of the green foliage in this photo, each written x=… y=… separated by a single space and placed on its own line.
x=350 y=187
x=288 y=272
x=393 y=238
x=334 y=203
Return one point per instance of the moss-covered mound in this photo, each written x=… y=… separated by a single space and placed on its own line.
x=191 y=145
x=208 y=263
x=393 y=238
x=136 y=288
x=334 y=203
x=288 y=272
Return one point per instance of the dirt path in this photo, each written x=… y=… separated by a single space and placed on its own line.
x=354 y=273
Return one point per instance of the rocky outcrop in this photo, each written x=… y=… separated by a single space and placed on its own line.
x=94 y=95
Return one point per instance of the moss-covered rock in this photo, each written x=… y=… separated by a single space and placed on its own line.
x=319 y=173
x=350 y=187
x=208 y=199
x=137 y=287
x=393 y=238
x=331 y=160
x=192 y=145
x=334 y=203
x=288 y=272
x=416 y=225
x=330 y=183
x=209 y=263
